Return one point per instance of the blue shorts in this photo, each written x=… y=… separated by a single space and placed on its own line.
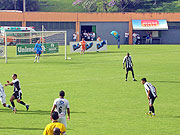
x=38 y=52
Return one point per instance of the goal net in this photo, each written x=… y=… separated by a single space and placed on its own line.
x=25 y=42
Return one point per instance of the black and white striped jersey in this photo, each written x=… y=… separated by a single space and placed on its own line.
x=16 y=84
x=149 y=87
x=128 y=61
x=1 y=90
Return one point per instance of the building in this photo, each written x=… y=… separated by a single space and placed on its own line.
x=100 y=23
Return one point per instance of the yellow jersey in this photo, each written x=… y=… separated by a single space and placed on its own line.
x=49 y=128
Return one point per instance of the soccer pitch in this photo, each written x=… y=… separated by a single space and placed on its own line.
x=101 y=102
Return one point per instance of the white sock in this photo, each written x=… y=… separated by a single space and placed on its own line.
x=8 y=106
x=35 y=58
x=38 y=58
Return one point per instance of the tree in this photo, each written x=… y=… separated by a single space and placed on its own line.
x=6 y=5
x=31 y=5
x=125 y=5
x=89 y=5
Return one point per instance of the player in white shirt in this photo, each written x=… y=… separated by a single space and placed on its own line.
x=134 y=38
x=61 y=105
x=151 y=95
x=3 y=97
x=74 y=37
x=126 y=38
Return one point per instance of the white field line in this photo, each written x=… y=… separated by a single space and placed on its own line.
x=93 y=79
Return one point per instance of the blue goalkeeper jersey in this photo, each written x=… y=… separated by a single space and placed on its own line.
x=38 y=47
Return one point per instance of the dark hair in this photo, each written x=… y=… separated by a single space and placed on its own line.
x=56 y=131
x=144 y=79
x=15 y=75
x=62 y=93
x=55 y=115
x=128 y=54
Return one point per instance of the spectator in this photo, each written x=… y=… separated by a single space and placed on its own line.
x=119 y=39
x=55 y=124
x=148 y=38
x=85 y=35
x=82 y=34
x=74 y=37
x=88 y=36
x=126 y=38
x=138 y=39
x=99 y=38
x=93 y=36
x=134 y=38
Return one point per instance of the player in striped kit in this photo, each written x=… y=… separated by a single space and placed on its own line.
x=129 y=66
x=3 y=97
x=151 y=95
x=17 y=93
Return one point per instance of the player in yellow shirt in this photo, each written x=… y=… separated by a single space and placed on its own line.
x=55 y=124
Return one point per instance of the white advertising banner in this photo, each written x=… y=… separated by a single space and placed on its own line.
x=91 y=46
x=1 y=50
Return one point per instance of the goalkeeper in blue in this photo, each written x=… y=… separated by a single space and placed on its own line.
x=38 y=51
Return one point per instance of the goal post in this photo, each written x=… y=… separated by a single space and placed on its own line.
x=25 y=42
x=5 y=48
x=65 y=44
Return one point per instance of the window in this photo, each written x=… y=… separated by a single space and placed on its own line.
x=174 y=25
x=52 y=26
x=5 y=23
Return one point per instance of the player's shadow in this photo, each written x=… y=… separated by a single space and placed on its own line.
x=5 y=110
x=32 y=56
x=170 y=116
x=50 y=55
x=8 y=128
x=36 y=112
x=105 y=52
x=114 y=52
x=178 y=117
x=78 y=112
x=41 y=112
x=166 y=81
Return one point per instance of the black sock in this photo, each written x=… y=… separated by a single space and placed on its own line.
x=12 y=103
x=126 y=75
x=133 y=74
x=21 y=102
x=152 y=108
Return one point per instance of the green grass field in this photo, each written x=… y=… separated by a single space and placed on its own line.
x=101 y=102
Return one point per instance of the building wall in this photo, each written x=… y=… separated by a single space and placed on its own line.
x=103 y=29
x=90 y=17
x=172 y=36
